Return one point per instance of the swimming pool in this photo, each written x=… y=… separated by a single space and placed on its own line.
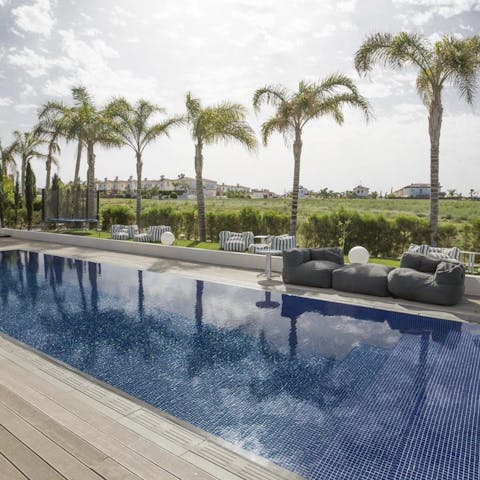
x=329 y=391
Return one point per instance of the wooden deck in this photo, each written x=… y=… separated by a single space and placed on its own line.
x=58 y=425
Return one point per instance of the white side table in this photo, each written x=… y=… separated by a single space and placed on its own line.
x=268 y=252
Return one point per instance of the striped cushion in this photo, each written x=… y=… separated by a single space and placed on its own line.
x=444 y=253
x=247 y=238
x=120 y=235
x=116 y=228
x=258 y=248
x=284 y=242
x=223 y=237
x=235 y=245
x=423 y=249
x=155 y=232
x=141 y=237
x=132 y=230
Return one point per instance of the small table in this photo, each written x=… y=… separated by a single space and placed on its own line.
x=268 y=252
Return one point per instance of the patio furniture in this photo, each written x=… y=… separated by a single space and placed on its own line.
x=153 y=234
x=435 y=252
x=365 y=278
x=277 y=244
x=119 y=232
x=469 y=259
x=426 y=279
x=235 y=242
x=311 y=266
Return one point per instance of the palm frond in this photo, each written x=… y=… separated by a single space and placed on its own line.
x=458 y=60
x=393 y=51
x=269 y=95
x=272 y=125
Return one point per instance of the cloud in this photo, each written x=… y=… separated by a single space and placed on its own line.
x=32 y=63
x=420 y=12
x=5 y=101
x=35 y=18
x=86 y=62
x=25 y=107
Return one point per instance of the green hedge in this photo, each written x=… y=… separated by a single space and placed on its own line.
x=381 y=236
x=116 y=214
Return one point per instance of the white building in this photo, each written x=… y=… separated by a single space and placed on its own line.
x=414 y=190
x=361 y=192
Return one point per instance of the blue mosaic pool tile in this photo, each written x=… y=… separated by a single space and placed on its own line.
x=326 y=390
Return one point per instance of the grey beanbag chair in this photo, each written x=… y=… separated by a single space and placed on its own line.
x=368 y=278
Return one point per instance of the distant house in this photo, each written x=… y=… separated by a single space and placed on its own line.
x=414 y=190
x=261 y=193
x=360 y=191
x=224 y=188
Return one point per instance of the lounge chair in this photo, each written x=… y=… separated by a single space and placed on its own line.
x=311 y=266
x=119 y=232
x=235 y=242
x=153 y=234
x=276 y=244
x=426 y=279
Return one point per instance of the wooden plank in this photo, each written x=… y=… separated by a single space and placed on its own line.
x=112 y=448
x=60 y=460
x=8 y=471
x=145 y=447
x=75 y=445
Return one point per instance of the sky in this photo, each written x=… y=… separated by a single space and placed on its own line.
x=224 y=50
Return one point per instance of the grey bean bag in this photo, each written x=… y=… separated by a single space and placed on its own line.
x=426 y=279
x=367 y=278
x=311 y=266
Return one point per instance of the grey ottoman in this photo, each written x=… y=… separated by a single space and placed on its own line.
x=366 y=278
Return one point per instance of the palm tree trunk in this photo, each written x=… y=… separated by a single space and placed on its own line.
x=76 y=180
x=48 y=166
x=297 y=153
x=139 y=187
x=22 y=179
x=90 y=181
x=434 y=128
x=199 y=189
x=76 y=177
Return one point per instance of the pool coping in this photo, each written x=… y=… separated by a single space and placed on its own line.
x=467 y=311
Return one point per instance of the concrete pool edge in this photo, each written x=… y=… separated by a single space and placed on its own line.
x=231 y=458
x=467 y=311
x=185 y=254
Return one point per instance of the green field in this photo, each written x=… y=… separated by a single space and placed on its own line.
x=454 y=211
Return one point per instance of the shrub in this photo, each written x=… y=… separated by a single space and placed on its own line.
x=116 y=214
x=476 y=234
x=163 y=216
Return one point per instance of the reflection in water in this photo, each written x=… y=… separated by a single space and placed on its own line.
x=304 y=382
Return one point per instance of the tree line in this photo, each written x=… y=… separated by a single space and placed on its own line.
x=448 y=61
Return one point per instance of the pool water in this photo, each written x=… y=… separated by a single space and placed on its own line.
x=326 y=390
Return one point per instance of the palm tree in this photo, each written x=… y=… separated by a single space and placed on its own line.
x=90 y=126
x=7 y=157
x=50 y=127
x=294 y=110
x=28 y=144
x=211 y=125
x=132 y=124
x=448 y=61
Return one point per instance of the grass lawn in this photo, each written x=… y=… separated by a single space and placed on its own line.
x=455 y=211
x=207 y=245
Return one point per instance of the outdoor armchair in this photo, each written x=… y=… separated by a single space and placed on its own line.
x=311 y=266
x=426 y=279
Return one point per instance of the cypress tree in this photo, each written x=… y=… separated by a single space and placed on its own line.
x=30 y=193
